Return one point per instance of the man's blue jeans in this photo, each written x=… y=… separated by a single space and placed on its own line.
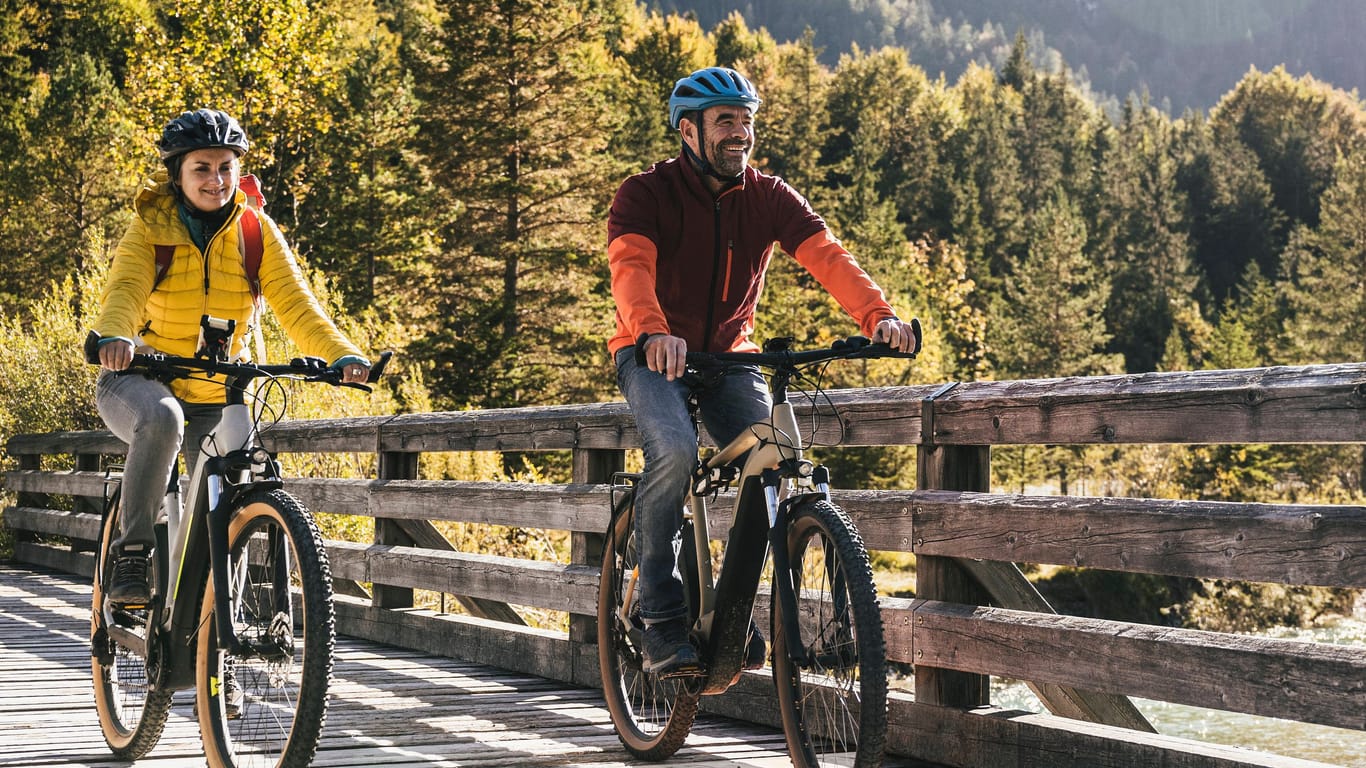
x=670 y=446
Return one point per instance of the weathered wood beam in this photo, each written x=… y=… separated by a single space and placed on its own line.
x=1284 y=543
x=1306 y=404
x=76 y=525
x=1309 y=682
x=571 y=588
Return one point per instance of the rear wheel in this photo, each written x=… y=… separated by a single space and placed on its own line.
x=131 y=708
x=834 y=705
x=266 y=708
x=652 y=716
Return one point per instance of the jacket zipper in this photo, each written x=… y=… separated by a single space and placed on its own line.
x=715 y=274
x=208 y=246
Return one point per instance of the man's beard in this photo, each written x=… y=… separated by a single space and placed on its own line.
x=726 y=163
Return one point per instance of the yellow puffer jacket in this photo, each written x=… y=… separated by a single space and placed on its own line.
x=196 y=284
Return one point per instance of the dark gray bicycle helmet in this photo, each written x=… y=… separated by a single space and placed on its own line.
x=708 y=88
x=200 y=129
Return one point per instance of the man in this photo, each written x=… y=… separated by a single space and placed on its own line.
x=689 y=241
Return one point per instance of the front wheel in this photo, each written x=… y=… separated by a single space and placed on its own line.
x=652 y=716
x=265 y=709
x=834 y=702
x=132 y=708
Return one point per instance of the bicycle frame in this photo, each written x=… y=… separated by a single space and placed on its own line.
x=228 y=465
x=773 y=476
x=828 y=651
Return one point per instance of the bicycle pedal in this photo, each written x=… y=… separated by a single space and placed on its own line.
x=123 y=615
x=689 y=671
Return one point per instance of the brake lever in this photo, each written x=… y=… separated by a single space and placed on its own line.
x=377 y=369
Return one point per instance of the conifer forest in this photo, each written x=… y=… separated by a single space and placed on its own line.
x=443 y=169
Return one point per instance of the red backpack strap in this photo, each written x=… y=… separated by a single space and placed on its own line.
x=251 y=187
x=252 y=249
x=163 y=254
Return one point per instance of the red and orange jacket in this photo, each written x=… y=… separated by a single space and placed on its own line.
x=690 y=265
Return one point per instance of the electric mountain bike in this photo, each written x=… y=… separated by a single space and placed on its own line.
x=241 y=592
x=828 y=653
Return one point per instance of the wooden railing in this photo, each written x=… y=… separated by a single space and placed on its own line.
x=974 y=615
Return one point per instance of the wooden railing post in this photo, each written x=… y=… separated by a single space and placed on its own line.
x=394 y=465
x=30 y=462
x=949 y=468
x=86 y=462
x=591 y=466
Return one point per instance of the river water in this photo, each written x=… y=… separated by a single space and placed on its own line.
x=1334 y=746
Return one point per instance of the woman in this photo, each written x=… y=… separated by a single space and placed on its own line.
x=192 y=214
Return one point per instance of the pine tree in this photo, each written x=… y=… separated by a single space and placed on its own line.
x=655 y=52
x=1326 y=270
x=794 y=119
x=515 y=127
x=1145 y=233
x=68 y=145
x=1051 y=322
x=1231 y=213
x=737 y=45
x=986 y=216
x=889 y=125
x=1295 y=127
x=370 y=227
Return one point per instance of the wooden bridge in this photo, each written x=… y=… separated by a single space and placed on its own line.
x=522 y=695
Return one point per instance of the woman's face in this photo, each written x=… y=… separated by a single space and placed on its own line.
x=209 y=177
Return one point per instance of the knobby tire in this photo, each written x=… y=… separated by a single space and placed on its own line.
x=132 y=715
x=284 y=700
x=834 y=708
x=652 y=716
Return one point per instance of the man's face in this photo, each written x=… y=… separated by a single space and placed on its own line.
x=728 y=131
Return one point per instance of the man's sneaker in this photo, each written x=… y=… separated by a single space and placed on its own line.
x=129 y=584
x=754 y=647
x=668 y=652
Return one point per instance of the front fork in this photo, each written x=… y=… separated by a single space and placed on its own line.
x=222 y=502
x=779 y=512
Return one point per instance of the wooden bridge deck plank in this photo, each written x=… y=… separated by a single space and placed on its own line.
x=389 y=706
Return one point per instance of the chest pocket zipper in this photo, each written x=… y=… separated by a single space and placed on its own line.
x=730 y=258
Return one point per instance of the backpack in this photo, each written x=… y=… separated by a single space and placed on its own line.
x=252 y=245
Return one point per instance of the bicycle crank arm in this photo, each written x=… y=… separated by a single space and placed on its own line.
x=127 y=638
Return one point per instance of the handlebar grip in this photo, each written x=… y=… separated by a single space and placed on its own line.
x=915 y=329
x=640 y=349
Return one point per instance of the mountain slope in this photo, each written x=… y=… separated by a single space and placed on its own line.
x=1185 y=54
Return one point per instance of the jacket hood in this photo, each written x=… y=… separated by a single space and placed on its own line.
x=155 y=203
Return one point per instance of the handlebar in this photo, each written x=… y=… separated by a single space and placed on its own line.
x=777 y=353
x=302 y=368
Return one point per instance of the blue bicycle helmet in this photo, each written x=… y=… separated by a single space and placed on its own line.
x=708 y=88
